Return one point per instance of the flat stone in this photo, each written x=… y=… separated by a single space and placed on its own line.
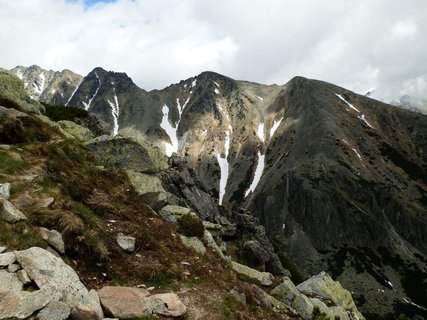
x=10 y=213
x=51 y=273
x=23 y=277
x=22 y=304
x=7 y=259
x=55 y=310
x=54 y=238
x=193 y=243
x=13 y=267
x=165 y=304
x=286 y=291
x=125 y=242
x=89 y=308
x=252 y=275
x=9 y=281
x=124 y=302
x=5 y=190
x=3 y=249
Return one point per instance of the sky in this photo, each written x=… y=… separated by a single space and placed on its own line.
x=362 y=45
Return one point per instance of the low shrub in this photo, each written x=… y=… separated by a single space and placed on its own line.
x=191 y=226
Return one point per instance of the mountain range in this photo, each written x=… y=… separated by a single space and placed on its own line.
x=338 y=180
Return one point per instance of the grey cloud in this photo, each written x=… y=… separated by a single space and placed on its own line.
x=358 y=44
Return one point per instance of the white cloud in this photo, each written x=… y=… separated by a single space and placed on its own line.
x=359 y=44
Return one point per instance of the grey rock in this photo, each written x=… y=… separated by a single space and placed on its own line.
x=9 y=281
x=127 y=243
x=13 y=267
x=193 y=243
x=54 y=238
x=255 y=254
x=23 y=277
x=3 y=249
x=5 y=190
x=22 y=304
x=89 y=308
x=172 y=213
x=303 y=306
x=241 y=297
x=7 y=258
x=286 y=291
x=252 y=275
x=10 y=213
x=210 y=243
x=165 y=304
x=269 y=300
x=51 y=273
x=55 y=310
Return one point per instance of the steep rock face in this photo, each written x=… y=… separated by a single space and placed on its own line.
x=48 y=86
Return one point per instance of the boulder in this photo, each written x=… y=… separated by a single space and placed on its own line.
x=193 y=243
x=323 y=286
x=7 y=259
x=5 y=190
x=78 y=132
x=210 y=243
x=55 y=310
x=254 y=254
x=165 y=304
x=54 y=238
x=11 y=214
x=3 y=249
x=303 y=305
x=124 y=302
x=22 y=304
x=52 y=274
x=172 y=213
x=286 y=291
x=252 y=275
x=89 y=308
x=9 y=281
x=130 y=154
x=125 y=242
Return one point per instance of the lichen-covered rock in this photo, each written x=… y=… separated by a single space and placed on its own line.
x=323 y=286
x=89 y=308
x=55 y=310
x=193 y=243
x=7 y=258
x=51 y=273
x=252 y=275
x=54 y=238
x=5 y=190
x=22 y=304
x=9 y=281
x=172 y=213
x=286 y=291
x=165 y=304
x=10 y=213
x=78 y=132
x=127 y=243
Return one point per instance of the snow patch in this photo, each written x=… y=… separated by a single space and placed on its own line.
x=87 y=105
x=414 y=304
x=348 y=103
x=216 y=91
x=260 y=132
x=258 y=173
x=362 y=117
x=115 y=111
x=39 y=87
x=52 y=91
x=25 y=85
x=276 y=125
x=72 y=94
x=193 y=84
x=260 y=98
x=20 y=75
x=224 y=166
x=170 y=131
x=216 y=83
